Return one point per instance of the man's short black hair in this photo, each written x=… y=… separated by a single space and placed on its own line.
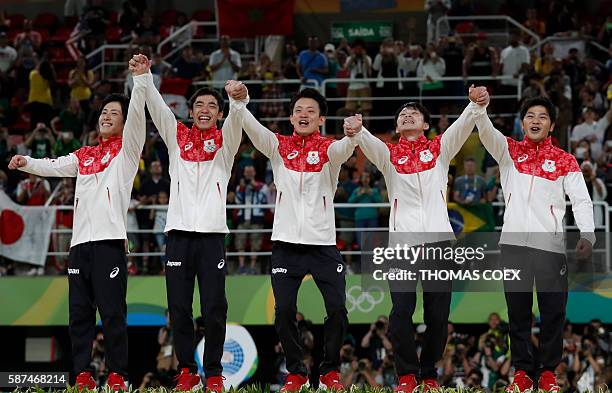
x=539 y=101
x=123 y=100
x=414 y=105
x=309 y=92
x=207 y=91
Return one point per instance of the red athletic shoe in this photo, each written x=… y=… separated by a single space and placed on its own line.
x=214 y=384
x=331 y=381
x=294 y=383
x=548 y=382
x=429 y=384
x=186 y=381
x=85 y=381
x=407 y=384
x=521 y=384
x=116 y=382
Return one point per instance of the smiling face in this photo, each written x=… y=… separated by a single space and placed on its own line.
x=205 y=112
x=411 y=123
x=306 y=117
x=536 y=123
x=111 y=120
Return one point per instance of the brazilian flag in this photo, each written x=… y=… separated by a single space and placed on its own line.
x=471 y=218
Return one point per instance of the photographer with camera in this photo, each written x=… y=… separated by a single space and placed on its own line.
x=361 y=374
x=376 y=341
x=456 y=362
x=589 y=363
x=41 y=142
x=359 y=64
x=492 y=357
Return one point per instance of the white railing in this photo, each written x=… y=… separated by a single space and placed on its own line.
x=101 y=51
x=555 y=39
x=188 y=30
x=504 y=18
x=420 y=97
x=605 y=227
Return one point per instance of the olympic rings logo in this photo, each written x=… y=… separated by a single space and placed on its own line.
x=361 y=301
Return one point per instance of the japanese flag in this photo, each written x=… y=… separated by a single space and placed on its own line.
x=24 y=231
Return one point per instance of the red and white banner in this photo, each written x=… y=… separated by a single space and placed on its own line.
x=25 y=231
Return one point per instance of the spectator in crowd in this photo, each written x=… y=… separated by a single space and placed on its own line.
x=437 y=9
x=474 y=380
x=71 y=119
x=187 y=66
x=592 y=130
x=65 y=144
x=224 y=62
x=132 y=236
x=81 y=80
x=534 y=87
x=347 y=359
x=515 y=60
x=290 y=64
x=387 y=64
x=40 y=99
x=386 y=372
x=470 y=188
x=250 y=192
x=33 y=191
x=311 y=63
x=456 y=362
x=561 y=17
x=98 y=363
x=29 y=38
x=345 y=215
x=331 y=88
x=412 y=60
x=159 y=224
x=534 y=23
x=452 y=53
x=185 y=35
x=40 y=142
x=597 y=190
x=63 y=220
x=160 y=66
x=166 y=358
x=149 y=190
x=8 y=56
x=492 y=358
x=365 y=217
x=376 y=341
x=359 y=93
x=545 y=63
x=481 y=59
x=432 y=68
x=362 y=374
x=146 y=32
x=269 y=91
x=588 y=365
x=129 y=16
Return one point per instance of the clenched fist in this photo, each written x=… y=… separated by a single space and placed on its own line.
x=17 y=162
x=139 y=64
x=236 y=90
x=352 y=125
x=479 y=95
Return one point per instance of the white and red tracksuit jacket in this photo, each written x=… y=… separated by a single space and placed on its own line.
x=306 y=177
x=200 y=167
x=535 y=178
x=104 y=175
x=416 y=172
